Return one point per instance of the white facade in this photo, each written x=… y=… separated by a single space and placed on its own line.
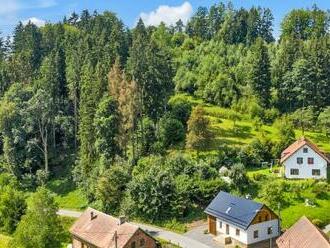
x=247 y=236
x=305 y=169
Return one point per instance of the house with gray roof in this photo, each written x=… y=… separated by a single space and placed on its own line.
x=238 y=221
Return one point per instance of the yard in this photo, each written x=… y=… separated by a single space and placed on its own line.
x=297 y=191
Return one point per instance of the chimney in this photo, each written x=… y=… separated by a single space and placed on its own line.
x=93 y=216
x=121 y=220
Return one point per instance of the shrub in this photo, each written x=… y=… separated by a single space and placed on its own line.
x=171 y=131
x=238 y=175
x=320 y=189
x=258 y=177
x=181 y=111
x=319 y=223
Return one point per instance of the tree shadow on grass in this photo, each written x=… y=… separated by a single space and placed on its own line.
x=61 y=186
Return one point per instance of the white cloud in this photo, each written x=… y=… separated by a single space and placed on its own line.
x=35 y=21
x=168 y=14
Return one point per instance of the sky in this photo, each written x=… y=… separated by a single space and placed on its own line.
x=151 y=11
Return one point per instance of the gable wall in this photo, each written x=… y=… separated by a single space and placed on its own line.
x=305 y=170
x=149 y=241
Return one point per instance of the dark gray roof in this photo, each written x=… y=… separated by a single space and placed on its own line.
x=234 y=210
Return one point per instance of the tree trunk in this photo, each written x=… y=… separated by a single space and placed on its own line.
x=46 y=152
x=75 y=121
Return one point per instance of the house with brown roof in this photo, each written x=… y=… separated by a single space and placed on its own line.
x=95 y=229
x=303 y=159
x=303 y=234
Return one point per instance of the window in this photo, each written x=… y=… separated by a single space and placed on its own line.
x=270 y=230
x=227 y=229
x=294 y=171
x=300 y=160
x=310 y=160
x=133 y=245
x=260 y=219
x=305 y=150
x=255 y=234
x=237 y=232
x=142 y=242
x=220 y=224
x=267 y=218
x=316 y=172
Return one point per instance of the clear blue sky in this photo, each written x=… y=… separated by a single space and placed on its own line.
x=12 y=11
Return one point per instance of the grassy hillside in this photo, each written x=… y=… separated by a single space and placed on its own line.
x=4 y=241
x=243 y=131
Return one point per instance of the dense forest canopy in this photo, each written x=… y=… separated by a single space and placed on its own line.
x=90 y=96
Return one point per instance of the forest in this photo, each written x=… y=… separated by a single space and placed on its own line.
x=117 y=111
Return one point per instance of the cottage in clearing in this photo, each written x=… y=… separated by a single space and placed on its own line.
x=303 y=159
x=239 y=221
x=95 y=229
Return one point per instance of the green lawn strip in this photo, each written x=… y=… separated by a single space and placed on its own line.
x=4 y=241
x=166 y=244
x=292 y=213
x=67 y=195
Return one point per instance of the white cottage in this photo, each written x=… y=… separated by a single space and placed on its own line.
x=242 y=222
x=303 y=159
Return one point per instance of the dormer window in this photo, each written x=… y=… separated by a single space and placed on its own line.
x=305 y=150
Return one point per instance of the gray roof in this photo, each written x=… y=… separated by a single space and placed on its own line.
x=234 y=210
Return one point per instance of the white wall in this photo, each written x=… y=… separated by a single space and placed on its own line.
x=246 y=236
x=305 y=169
x=232 y=231
x=262 y=231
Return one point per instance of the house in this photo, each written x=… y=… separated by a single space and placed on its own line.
x=242 y=222
x=95 y=229
x=303 y=159
x=303 y=234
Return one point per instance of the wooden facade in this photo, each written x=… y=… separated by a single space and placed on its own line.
x=264 y=214
x=212 y=223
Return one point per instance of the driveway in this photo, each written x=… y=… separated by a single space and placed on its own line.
x=197 y=233
x=185 y=241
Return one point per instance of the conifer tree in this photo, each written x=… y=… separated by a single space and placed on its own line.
x=259 y=73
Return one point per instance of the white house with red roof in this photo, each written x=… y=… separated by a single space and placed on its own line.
x=303 y=159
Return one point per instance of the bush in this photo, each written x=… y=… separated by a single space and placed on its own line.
x=319 y=223
x=238 y=175
x=12 y=208
x=181 y=111
x=171 y=131
x=320 y=189
x=270 y=115
x=258 y=177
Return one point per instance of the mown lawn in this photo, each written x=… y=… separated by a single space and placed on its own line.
x=67 y=195
x=295 y=206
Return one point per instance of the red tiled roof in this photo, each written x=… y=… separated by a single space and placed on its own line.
x=303 y=234
x=288 y=152
x=100 y=230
